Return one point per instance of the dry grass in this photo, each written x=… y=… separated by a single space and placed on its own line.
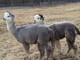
x=24 y=15
x=10 y=49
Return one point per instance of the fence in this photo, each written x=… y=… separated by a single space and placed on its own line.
x=32 y=2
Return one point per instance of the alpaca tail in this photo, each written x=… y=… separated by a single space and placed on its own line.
x=77 y=30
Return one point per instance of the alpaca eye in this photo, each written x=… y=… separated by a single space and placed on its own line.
x=8 y=16
x=38 y=18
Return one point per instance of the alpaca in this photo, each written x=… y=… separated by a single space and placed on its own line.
x=31 y=34
x=62 y=30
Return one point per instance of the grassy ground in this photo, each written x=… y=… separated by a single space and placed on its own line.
x=10 y=49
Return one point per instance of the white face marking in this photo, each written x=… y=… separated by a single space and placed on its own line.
x=8 y=17
x=37 y=18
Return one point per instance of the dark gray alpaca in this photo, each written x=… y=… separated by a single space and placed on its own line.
x=31 y=34
x=61 y=30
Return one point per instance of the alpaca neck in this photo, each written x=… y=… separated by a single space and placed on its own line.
x=12 y=28
x=41 y=22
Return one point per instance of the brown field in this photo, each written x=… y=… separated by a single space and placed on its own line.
x=10 y=49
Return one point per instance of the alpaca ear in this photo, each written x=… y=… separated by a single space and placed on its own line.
x=41 y=16
x=13 y=15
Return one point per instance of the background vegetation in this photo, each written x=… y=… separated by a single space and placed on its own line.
x=32 y=2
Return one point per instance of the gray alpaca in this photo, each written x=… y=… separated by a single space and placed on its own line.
x=31 y=34
x=61 y=30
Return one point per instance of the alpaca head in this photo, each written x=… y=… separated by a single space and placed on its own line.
x=38 y=18
x=8 y=17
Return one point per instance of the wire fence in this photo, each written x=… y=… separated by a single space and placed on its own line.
x=4 y=3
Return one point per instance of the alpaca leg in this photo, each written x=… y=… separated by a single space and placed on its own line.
x=53 y=46
x=69 y=47
x=42 y=51
x=70 y=36
x=58 y=45
x=75 y=52
x=49 y=51
x=74 y=48
x=26 y=47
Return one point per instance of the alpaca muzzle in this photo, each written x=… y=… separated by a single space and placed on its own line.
x=4 y=19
